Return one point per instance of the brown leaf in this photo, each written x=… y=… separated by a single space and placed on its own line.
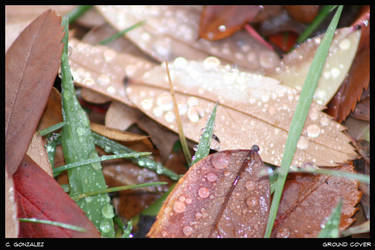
x=253 y=109
x=116 y=134
x=38 y=154
x=172 y=31
x=39 y=196
x=11 y=222
x=221 y=21
x=52 y=113
x=295 y=65
x=351 y=89
x=120 y=116
x=220 y=196
x=308 y=200
x=29 y=76
x=302 y=13
x=104 y=70
x=91 y=96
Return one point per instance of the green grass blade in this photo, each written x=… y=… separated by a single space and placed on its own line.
x=300 y=115
x=77 y=12
x=52 y=141
x=78 y=144
x=154 y=208
x=54 y=223
x=331 y=228
x=58 y=170
x=205 y=140
x=110 y=146
x=323 y=13
x=121 y=33
x=51 y=129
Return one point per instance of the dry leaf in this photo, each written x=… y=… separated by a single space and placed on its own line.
x=104 y=70
x=90 y=18
x=351 y=89
x=52 y=113
x=116 y=134
x=295 y=65
x=221 y=21
x=302 y=13
x=11 y=222
x=29 y=75
x=220 y=196
x=90 y=96
x=172 y=31
x=253 y=110
x=308 y=200
x=38 y=154
x=120 y=116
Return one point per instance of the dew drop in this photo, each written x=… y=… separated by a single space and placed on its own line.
x=88 y=82
x=211 y=177
x=105 y=226
x=220 y=160
x=203 y=192
x=211 y=62
x=187 y=230
x=222 y=28
x=313 y=131
x=283 y=233
x=251 y=202
x=250 y=186
x=109 y=55
x=147 y=103
x=303 y=143
x=344 y=44
x=169 y=116
x=179 y=207
x=107 y=211
x=103 y=80
x=164 y=101
x=180 y=63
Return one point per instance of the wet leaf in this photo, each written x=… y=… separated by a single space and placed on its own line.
x=294 y=66
x=29 y=76
x=104 y=70
x=350 y=92
x=120 y=116
x=116 y=134
x=247 y=102
x=172 y=31
x=11 y=222
x=38 y=154
x=308 y=200
x=221 y=21
x=52 y=113
x=39 y=196
x=219 y=196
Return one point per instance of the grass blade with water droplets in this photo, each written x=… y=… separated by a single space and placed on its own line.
x=300 y=115
x=331 y=227
x=54 y=223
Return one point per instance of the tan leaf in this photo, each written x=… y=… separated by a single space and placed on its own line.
x=90 y=18
x=52 y=113
x=172 y=31
x=220 y=196
x=104 y=70
x=11 y=222
x=295 y=65
x=120 y=116
x=93 y=97
x=38 y=154
x=253 y=110
x=116 y=134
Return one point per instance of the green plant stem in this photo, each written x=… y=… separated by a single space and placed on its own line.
x=121 y=33
x=115 y=189
x=77 y=12
x=58 y=170
x=300 y=115
x=51 y=129
x=54 y=223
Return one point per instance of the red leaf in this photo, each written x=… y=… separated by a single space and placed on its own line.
x=220 y=196
x=39 y=196
x=284 y=40
x=31 y=66
x=302 y=13
x=220 y=21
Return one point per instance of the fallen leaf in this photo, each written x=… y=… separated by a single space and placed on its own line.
x=219 y=196
x=116 y=134
x=90 y=18
x=350 y=92
x=221 y=21
x=252 y=109
x=11 y=222
x=362 y=110
x=363 y=20
x=104 y=70
x=29 y=76
x=172 y=31
x=295 y=65
x=308 y=200
x=39 y=196
x=90 y=96
x=121 y=116
x=52 y=113
x=38 y=154
x=302 y=13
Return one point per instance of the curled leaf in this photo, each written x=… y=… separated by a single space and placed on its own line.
x=219 y=196
x=29 y=75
